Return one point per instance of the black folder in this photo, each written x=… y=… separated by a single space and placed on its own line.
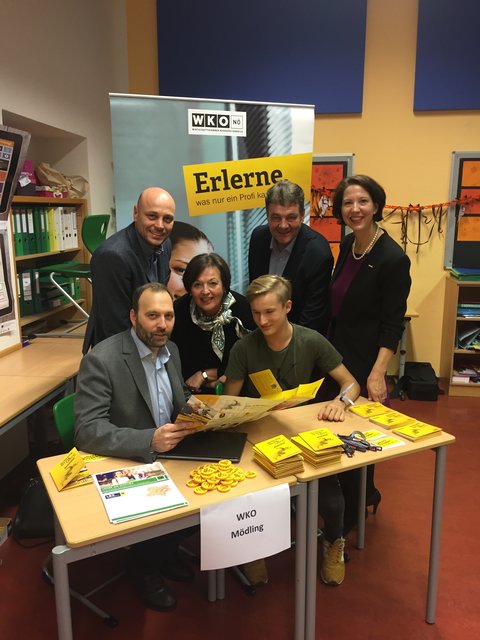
x=209 y=445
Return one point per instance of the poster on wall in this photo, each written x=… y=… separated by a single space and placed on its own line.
x=327 y=172
x=462 y=245
x=13 y=149
x=217 y=159
x=10 y=337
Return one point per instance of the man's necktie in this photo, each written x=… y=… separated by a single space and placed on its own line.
x=153 y=266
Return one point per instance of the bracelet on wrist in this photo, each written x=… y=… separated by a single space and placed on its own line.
x=346 y=401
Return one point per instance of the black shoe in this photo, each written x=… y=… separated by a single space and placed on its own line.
x=154 y=593
x=373 y=500
x=175 y=568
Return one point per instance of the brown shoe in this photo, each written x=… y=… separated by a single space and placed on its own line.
x=256 y=572
x=332 y=570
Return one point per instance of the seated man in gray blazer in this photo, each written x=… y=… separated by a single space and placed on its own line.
x=287 y=247
x=129 y=391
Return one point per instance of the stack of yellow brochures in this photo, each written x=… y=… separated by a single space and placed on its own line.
x=392 y=419
x=319 y=446
x=368 y=409
x=278 y=456
x=417 y=431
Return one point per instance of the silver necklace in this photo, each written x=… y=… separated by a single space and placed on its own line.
x=354 y=243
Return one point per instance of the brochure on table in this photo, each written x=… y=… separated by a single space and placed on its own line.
x=222 y=412
x=137 y=491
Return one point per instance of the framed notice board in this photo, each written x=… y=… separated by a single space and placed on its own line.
x=462 y=244
x=327 y=172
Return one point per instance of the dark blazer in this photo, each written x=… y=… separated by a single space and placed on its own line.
x=373 y=309
x=113 y=410
x=119 y=265
x=309 y=269
x=195 y=345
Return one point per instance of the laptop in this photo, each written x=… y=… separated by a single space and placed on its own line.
x=211 y=446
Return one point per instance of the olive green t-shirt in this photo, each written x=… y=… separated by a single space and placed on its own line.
x=308 y=356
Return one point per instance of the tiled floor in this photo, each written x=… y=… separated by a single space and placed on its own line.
x=383 y=595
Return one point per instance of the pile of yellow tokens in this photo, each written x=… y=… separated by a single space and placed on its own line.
x=222 y=476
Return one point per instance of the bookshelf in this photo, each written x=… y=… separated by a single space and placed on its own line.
x=454 y=357
x=51 y=318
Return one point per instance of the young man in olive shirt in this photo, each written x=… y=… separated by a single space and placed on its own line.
x=295 y=355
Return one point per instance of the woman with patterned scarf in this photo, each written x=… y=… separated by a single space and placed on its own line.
x=209 y=319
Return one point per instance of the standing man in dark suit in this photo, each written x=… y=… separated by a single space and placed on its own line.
x=133 y=256
x=287 y=247
x=129 y=392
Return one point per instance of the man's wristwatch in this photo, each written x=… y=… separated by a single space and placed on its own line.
x=205 y=376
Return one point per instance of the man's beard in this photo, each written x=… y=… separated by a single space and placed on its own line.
x=151 y=340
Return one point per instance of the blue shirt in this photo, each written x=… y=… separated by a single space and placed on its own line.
x=158 y=381
x=279 y=257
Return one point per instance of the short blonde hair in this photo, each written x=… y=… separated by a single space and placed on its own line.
x=270 y=284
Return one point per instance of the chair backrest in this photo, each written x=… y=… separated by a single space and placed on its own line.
x=94 y=230
x=64 y=418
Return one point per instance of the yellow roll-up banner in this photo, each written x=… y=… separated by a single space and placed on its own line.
x=217 y=187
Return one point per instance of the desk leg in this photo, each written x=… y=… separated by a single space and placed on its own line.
x=361 y=508
x=212 y=585
x=311 y=573
x=62 y=593
x=440 y=463
x=220 y=584
x=300 y=560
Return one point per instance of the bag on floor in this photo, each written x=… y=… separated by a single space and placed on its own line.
x=420 y=382
x=34 y=517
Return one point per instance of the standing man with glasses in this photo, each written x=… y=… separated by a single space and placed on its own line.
x=133 y=256
x=287 y=247
x=294 y=355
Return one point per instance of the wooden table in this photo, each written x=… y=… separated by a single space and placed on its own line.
x=30 y=378
x=88 y=536
x=290 y=422
x=83 y=529
x=22 y=395
x=44 y=357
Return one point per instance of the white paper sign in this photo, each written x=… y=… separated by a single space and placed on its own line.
x=246 y=528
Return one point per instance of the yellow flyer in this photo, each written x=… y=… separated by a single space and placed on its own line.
x=265 y=382
x=67 y=469
x=302 y=393
x=319 y=439
x=277 y=448
x=369 y=409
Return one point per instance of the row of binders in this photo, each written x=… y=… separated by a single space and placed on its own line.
x=39 y=229
x=38 y=294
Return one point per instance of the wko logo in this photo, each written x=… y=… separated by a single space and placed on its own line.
x=208 y=122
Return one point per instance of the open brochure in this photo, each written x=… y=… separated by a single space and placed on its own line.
x=222 y=412
x=137 y=491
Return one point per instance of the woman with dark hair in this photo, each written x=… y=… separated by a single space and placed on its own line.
x=208 y=322
x=368 y=300
x=187 y=241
